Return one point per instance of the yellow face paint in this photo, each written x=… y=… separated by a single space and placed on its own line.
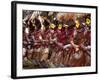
x=88 y=21
x=60 y=26
x=52 y=26
x=77 y=24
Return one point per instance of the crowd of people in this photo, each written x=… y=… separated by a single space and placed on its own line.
x=56 y=39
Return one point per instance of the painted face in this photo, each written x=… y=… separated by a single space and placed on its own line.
x=52 y=26
x=77 y=24
x=60 y=26
x=88 y=21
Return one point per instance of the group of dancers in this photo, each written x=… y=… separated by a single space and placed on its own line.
x=54 y=39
